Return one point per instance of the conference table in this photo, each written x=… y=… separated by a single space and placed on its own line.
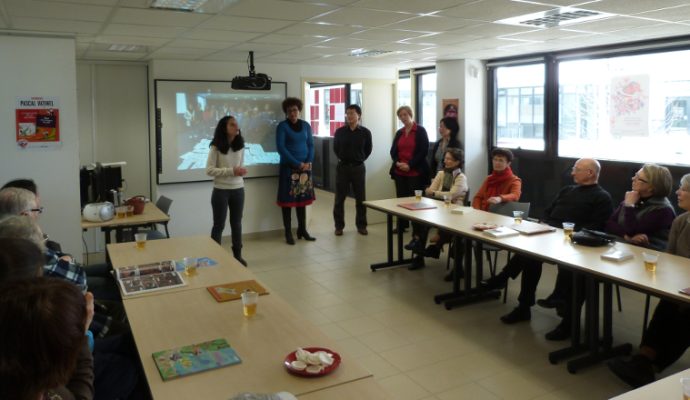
x=150 y=215
x=554 y=247
x=186 y=315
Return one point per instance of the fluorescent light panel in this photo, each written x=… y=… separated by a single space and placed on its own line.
x=179 y=5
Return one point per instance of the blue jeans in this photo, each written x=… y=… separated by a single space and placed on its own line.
x=221 y=201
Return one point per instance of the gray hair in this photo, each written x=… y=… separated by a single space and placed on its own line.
x=15 y=201
x=22 y=227
x=685 y=182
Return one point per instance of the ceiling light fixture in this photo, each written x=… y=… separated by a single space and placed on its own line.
x=178 y=5
x=126 y=47
x=368 y=53
x=557 y=17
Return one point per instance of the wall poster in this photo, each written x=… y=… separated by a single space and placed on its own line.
x=450 y=107
x=37 y=122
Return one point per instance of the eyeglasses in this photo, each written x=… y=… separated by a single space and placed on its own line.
x=637 y=178
x=38 y=210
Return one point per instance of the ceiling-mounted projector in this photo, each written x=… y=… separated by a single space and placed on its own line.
x=252 y=82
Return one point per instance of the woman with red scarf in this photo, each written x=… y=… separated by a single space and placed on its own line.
x=502 y=185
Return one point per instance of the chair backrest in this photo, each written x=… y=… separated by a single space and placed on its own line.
x=163 y=203
x=508 y=208
x=468 y=200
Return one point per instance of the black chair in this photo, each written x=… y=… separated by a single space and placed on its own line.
x=492 y=251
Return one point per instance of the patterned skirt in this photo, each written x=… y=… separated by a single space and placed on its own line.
x=295 y=188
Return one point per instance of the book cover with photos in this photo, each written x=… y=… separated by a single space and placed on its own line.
x=194 y=358
x=233 y=290
x=144 y=278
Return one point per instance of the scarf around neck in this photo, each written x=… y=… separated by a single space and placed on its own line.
x=496 y=179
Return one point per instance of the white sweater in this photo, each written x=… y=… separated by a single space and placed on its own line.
x=220 y=167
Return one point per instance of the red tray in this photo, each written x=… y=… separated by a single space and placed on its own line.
x=325 y=371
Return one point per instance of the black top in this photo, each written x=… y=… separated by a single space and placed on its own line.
x=352 y=146
x=588 y=206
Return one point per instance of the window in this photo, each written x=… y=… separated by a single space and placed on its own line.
x=519 y=107
x=631 y=108
x=421 y=97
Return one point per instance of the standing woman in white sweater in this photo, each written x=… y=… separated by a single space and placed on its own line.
x=225 y=165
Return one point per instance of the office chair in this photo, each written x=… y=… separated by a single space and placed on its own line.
x=163 y=203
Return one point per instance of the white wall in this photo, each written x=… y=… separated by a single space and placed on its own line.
x=43 y=67
x=191 y=211
x=466 y=80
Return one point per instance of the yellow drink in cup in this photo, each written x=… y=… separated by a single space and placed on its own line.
x=250 y=300
x=140 y=239
x=130 y=211
x=568 y=228
x=121 y=212
x=446 y=200
x=190 y=265
x=518 y=216
x=650 y=260
x=418 y=195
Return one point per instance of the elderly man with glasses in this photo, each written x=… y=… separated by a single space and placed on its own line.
x=587 y=205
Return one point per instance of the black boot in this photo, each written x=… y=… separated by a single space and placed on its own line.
x=237 y=253
x=287 y=224
x=302 y=226
x=433 y=251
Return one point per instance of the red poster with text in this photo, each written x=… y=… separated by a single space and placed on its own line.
x=37 y=122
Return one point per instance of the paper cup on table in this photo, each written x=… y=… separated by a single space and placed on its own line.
x=418 y=195
x=250 y=300
x=140 y=239
x=568 y=228
x=650 y=260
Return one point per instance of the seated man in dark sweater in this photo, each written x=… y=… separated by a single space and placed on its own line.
x=586 y=204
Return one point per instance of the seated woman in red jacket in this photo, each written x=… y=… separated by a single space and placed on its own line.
x=501 y=186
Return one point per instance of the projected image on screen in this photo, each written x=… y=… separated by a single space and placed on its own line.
x=189 y=112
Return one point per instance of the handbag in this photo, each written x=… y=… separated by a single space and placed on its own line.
x=592 y=238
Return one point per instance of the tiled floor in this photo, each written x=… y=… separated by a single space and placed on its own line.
x=416 y=349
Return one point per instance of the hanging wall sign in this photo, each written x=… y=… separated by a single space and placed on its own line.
x=37 y=122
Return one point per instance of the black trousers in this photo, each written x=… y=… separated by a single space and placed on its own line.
x=531 y=273
x=668 y=332
x=346 y=176
x=221 y=201
x=405 y=187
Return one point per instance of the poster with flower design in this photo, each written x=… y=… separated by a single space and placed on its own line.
x=629 y=105
x=37 y=122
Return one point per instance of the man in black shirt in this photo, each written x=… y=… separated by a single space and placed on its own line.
x=587 y=205
x=352 y=146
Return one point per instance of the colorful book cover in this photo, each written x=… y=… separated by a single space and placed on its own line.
x=233 y=290
x=187 y=360
x=201 y=263
x=151 y=282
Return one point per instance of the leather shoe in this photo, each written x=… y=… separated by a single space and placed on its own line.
x=493 y=283
x=561 y=332
x=636 y=372
x=362 y=231
x=551 y=302
x=417 y=263
x=432 y=251
x=338 y=232
x=414 y=243
x=518 y=314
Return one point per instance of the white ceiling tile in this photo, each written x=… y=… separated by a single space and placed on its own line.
x=138 y=40
x=142 y=30
x=213 y=34
x=157 y=17
x=89 y=2
x=134 y=3
x=43 y=9
x=277 y=9
x=657 y=31
x=349 y=43
x=392 y=35
x=55 y=25
x=363 y=17
x=612 y=24
x=329 y=2
x=315 y=29
x=446 y=38
x=546 y=34
x=492 y=30
x=493 y=10
x=181 y=52
x=244 y=24
x=675 y=14
x=411 y=6
x=630 y=7
x=113 y=55
x=288 y=39
x=263 y=48
x=432 y=23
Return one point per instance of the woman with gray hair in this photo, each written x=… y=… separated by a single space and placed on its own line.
x=667 y=336
x=18 y=226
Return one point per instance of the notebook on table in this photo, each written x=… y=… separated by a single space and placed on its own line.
x=418 y=205
x=233 y=290
x=500 y=232
x=530 y=228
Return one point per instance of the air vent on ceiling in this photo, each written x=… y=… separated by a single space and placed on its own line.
x=177 y=5
x=557 y=17
x=133 y=48
x=368 y=53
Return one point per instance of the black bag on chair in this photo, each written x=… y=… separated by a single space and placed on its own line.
x=592 y=238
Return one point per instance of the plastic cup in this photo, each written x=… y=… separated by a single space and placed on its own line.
x=190 y=265
x=650 y=260
x=140 y=239
x=446 y=200
x=518 y=216
x=249 y=301
x=121 y=212
x=685 y=383
x=130 y=211
x=568 y=228
x=418 y=195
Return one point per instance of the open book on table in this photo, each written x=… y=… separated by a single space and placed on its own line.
x=136 y=279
